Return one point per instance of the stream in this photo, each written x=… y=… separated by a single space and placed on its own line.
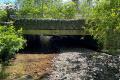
x=77 y=58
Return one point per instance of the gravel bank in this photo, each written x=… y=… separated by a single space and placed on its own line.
x=85 y=65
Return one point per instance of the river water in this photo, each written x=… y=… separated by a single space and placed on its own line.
x=77 y=60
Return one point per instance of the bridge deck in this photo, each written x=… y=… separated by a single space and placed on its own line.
x=51 y=27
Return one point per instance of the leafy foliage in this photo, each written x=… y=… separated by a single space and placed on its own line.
x=103 y=17
x=3 y=15
x=10 y=42
x=46 y=9
x=69 y=10
x=7 y=13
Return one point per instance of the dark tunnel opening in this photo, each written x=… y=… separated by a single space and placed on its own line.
x=55 y=43
x=74 y=42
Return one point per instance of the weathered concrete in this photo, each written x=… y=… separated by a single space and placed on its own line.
x=55 y=32
x=51 y=27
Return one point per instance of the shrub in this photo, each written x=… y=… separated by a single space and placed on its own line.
x=103 y=17
x=3 y=15
x=11 y=40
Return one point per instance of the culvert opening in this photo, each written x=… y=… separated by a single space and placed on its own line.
x=71 y=42
x=37 y=43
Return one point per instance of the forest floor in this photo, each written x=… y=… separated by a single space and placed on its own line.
x=34 y=65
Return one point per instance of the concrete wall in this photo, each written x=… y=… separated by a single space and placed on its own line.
x=47 y=24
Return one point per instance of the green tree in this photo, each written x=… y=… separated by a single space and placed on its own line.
x=3 y=15
x=69 y=10
x=103 y=17
x=77 y=3
x=46 y=9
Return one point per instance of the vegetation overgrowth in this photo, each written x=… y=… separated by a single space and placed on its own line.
x=46 y=9
x=11 y=40
x=3 y=15
x=103 y=22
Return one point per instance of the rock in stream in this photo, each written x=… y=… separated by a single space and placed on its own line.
x=85 y=66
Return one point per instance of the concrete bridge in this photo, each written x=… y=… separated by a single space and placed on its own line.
x=51 y=26
x=55 y=33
